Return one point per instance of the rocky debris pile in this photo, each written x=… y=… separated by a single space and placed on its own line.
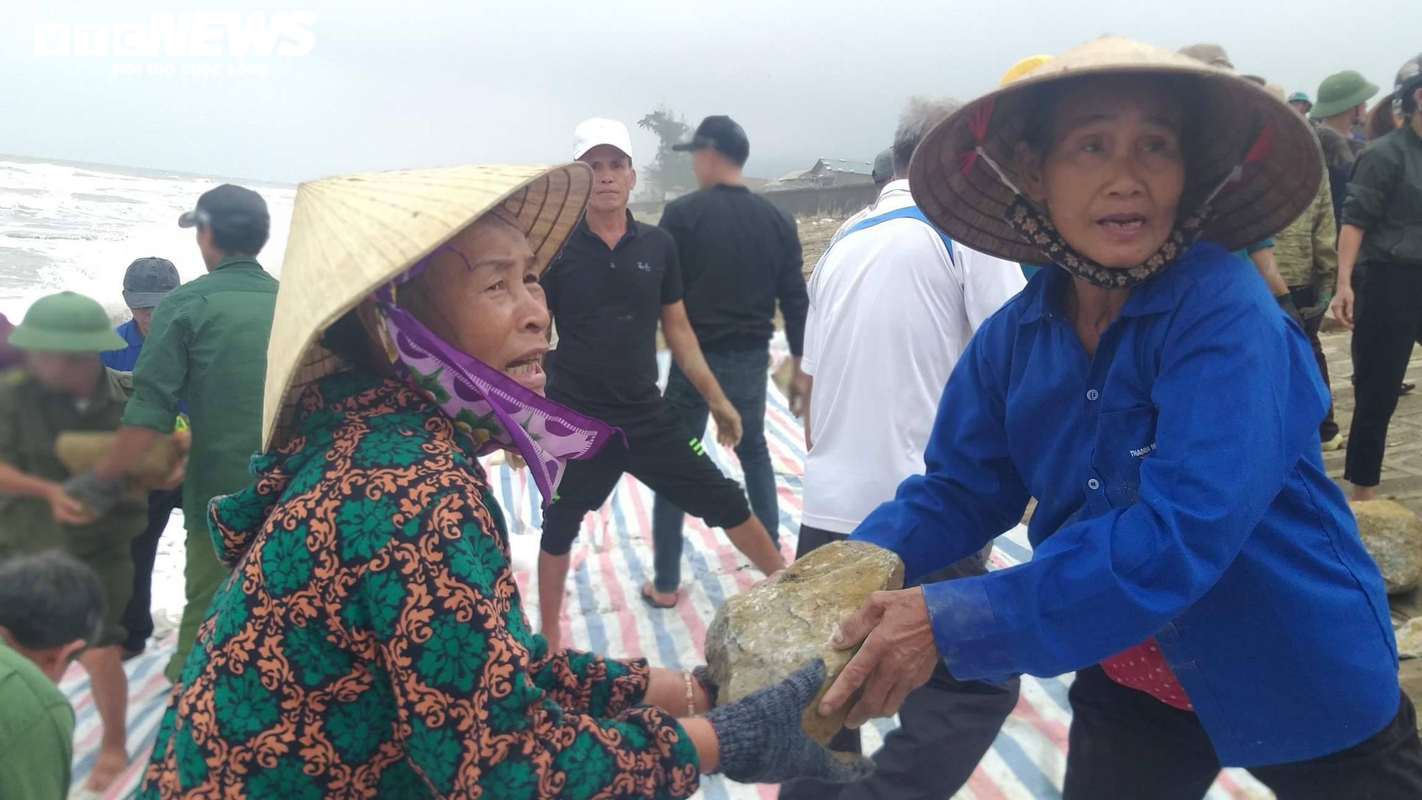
x=761 y=636
x=1393 y=535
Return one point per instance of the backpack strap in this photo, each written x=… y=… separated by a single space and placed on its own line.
x=908 y=212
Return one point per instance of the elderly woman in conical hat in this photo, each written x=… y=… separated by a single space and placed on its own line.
x=371 y=641
x=1192 y=562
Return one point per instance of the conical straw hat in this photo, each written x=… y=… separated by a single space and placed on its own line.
x=354 y=233
x=1230 y=117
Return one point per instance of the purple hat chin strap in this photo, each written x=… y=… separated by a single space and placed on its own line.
x=490 y=408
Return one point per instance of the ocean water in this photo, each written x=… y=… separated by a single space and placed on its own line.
x=78 y=226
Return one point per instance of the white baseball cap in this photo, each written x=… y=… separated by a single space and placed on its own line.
x=592 y=132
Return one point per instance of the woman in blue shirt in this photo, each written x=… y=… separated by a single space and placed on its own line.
x=1192 y=561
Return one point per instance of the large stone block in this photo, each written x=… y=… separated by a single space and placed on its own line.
x=1393 y=535
x=80 y=451
x=1409 y=639
x=761 y=636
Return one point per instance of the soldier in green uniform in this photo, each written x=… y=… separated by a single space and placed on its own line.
x=63 y=386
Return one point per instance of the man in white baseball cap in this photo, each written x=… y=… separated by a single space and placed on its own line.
x=614 y=280
x=598 y=131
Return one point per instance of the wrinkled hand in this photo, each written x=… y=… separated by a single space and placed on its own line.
x=799 y=392
x=762 y=741
x=97 y=495
x=898 y=656
x=1342 y=306
x=66 y=510
x=728 y=423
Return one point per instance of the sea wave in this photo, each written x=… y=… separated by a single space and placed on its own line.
x=68 y=226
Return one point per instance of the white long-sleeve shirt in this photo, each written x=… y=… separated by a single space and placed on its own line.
x=890 y=314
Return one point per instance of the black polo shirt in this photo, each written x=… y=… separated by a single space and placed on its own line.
x=739 y=255
x=606 y=303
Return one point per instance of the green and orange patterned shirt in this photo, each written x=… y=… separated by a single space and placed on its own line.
x=371 y=641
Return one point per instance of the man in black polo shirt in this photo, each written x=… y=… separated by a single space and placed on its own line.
x=613 y=282
x=739 y=255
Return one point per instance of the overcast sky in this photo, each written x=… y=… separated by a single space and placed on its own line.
x=419 y=83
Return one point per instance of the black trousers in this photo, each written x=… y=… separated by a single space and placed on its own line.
x=945 y=727
x=1126 y=745
x=1306 y=297
x=1387 y=321
x=661 y=454
x=138 y=614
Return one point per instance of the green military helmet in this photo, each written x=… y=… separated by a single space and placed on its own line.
x=68 y=323
x=1340 y=92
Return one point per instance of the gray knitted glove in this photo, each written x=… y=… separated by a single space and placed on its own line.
x=762 y=741
x=98 y=496
x=1286 y=303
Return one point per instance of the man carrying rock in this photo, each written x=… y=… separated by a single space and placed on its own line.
x=62 y=388
x=206 y=346
x=615 y=279
x=893 y=304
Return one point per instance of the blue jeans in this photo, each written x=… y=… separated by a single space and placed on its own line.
x=742 y=375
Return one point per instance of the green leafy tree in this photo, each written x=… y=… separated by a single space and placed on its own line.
x=670 y=173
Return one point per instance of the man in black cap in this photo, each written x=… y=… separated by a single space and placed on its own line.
x=207 y=346
x=883 y=171
x=739 y=255
x=145 y=283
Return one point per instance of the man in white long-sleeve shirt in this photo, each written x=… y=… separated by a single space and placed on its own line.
x=893 y=304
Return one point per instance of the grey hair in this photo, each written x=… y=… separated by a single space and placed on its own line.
x=917 y=120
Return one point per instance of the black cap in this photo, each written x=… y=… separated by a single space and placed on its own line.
x=722 y=134
x=147 y=280
x=231 y=209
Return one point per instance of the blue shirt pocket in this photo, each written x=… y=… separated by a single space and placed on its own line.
x=1124 y=439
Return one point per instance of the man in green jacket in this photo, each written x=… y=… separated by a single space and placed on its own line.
x=64 y=387
x=1308 y=262
x=206 y=345
x=1382 y=235
x=51 y=608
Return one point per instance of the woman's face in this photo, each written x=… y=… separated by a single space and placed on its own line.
x=487 y=303
x=1113 y=173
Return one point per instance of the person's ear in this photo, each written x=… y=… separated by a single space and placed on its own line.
x=634 y=176
x=1031 y=173
x=55 y=661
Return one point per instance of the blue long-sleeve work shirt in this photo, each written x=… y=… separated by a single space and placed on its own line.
x=125 y=359
x=1181 y=494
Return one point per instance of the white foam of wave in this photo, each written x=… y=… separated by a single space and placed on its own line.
x=78 y=228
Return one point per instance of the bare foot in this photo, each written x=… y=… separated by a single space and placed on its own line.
x=1362 y=494
x=108 y=766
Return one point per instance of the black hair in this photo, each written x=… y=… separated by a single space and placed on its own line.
x=50 y=599
x=245 y=240
x=1409 y=98
x=348 y=338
